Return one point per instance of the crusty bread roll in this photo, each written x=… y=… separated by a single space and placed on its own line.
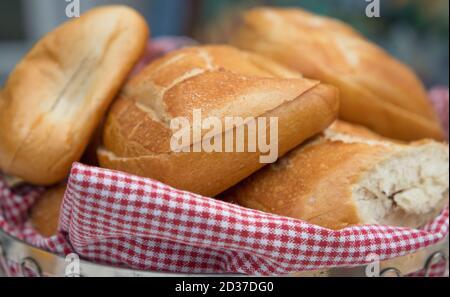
x=45 y=213
x=377 y=91
x=57 y=95
x=222 y=82
x=349 y=176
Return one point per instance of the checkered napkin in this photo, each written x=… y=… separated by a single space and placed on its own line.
x=114 y=218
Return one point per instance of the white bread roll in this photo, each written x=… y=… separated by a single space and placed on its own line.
x=222 y=82
x=376 y=90
x=57 y=95
x=350 y=176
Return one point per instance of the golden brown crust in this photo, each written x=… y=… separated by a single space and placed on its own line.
x=58 y=93
x=376 y=90
x=221 y=81
x=45 y=213
x=316 y=181
x=310 y=184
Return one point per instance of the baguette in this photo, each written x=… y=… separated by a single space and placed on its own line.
x=58 y=94
x=350 y=176
x=222 y=82
x=377 y=91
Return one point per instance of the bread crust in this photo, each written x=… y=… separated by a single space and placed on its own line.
x=45 y=213
x=377 y=91
x=316 y=182
x=57 y=95
x=221 y=81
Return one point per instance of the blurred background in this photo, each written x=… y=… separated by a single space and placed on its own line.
x=415 y=31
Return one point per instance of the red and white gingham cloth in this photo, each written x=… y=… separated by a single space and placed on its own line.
x=116 y=218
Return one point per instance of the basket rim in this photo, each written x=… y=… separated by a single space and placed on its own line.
x=51 y=264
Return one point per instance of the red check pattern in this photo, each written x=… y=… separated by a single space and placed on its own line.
x=114 y=218
x=14 y=208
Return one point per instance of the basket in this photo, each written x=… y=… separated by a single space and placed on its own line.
x=18 y=258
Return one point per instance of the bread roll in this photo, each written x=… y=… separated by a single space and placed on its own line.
x=222 y=82
x=377 y=91
x=57 y=95
x=349 y=176
x=45 y=213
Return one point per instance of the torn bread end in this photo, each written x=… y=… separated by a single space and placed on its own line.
x=408 y=189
